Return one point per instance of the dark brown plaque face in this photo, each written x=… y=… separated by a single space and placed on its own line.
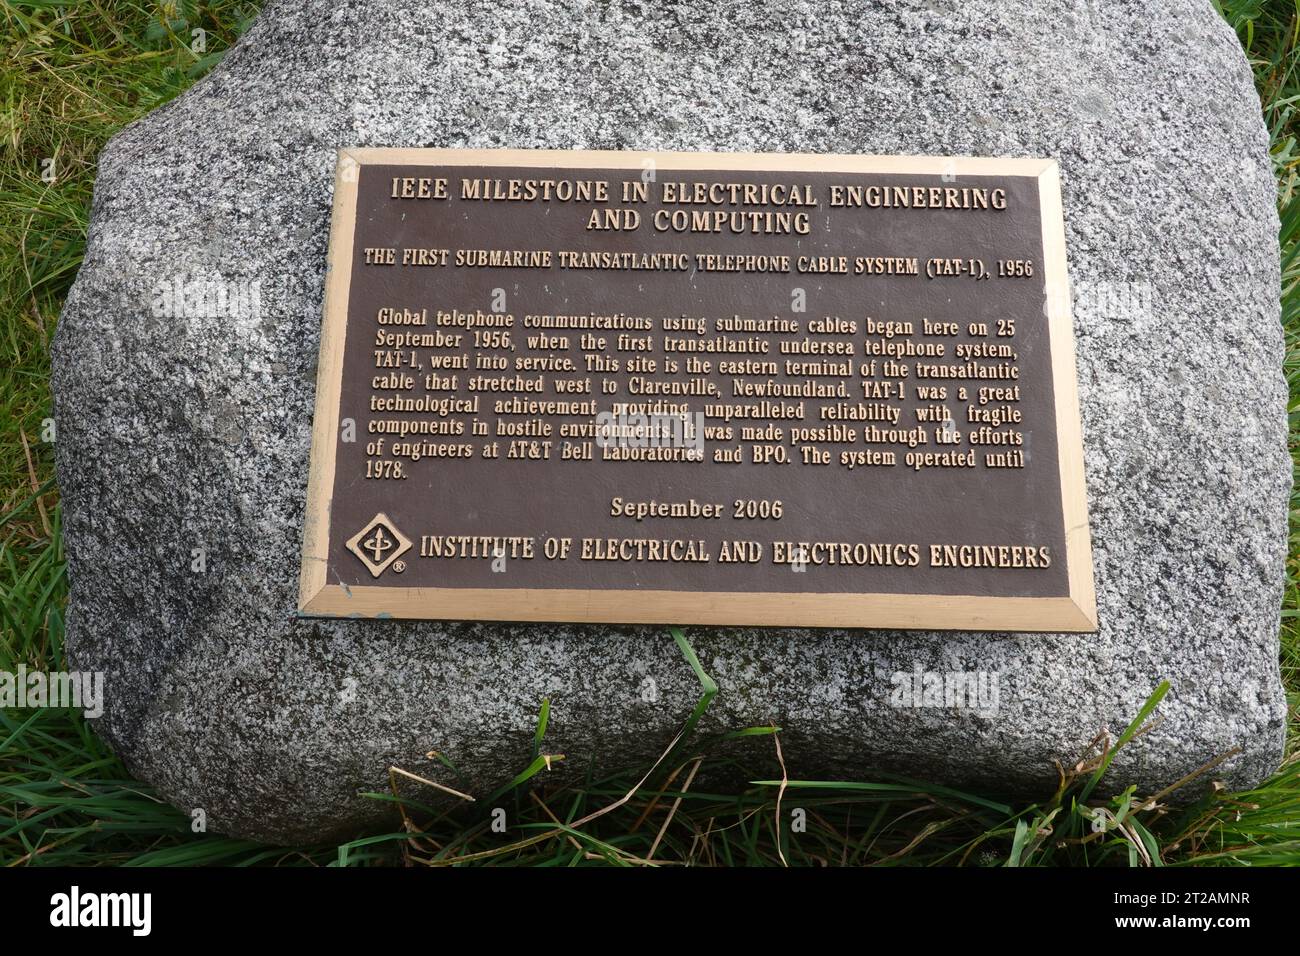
x=698 y=388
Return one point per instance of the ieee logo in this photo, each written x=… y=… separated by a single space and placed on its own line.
x=379 y=544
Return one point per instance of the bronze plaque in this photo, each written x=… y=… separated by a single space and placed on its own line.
x=698 y=388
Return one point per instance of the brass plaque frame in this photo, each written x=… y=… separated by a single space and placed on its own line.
x=1075 y=612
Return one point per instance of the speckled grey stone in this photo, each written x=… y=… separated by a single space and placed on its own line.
x=186 y=432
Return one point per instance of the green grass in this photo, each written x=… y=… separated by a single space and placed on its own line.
x=73 y=73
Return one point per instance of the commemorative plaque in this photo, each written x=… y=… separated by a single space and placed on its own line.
x=698 y=388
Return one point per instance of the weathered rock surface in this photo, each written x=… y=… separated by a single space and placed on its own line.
x=191 y=431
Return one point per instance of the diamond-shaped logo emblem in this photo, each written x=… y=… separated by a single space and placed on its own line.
x=379 y=544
